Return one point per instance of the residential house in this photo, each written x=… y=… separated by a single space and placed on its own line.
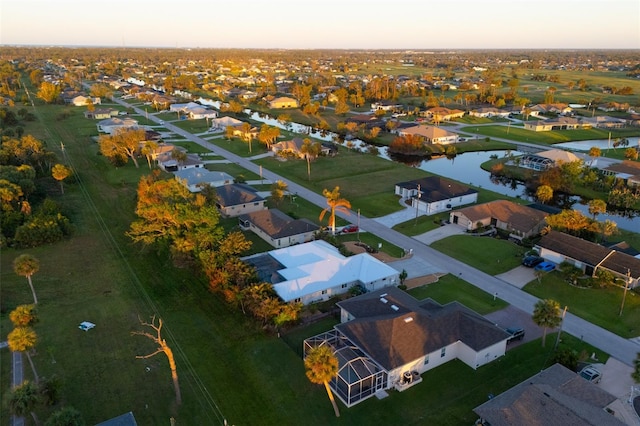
x=386 y=106
x=283 y=102
x=431 y=134
x=220 y=124
x=386 y=339
x=435 y=194
x=195 y=178
x=101 y=113
x=168 y=163
x=520 y=221
x=558 y=108
x=193 y=110
x=634 y=120
x=439 y=114
x=547 y=159
x=237 y=199
x=603 y=122
x=556 y=396
x=315 y=271
x=559 y=123
x=278 y=229
x=81 y=100
x=558 y=247
x=627 y=170
x=489 y=112
x=293 y=147
x=369 y=121
x=113 y=124
x=126 y=419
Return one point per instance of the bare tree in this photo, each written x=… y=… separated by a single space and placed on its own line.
x=162 y=347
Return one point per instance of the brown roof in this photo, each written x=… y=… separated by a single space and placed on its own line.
x=403 y=329
x=521 y=218
x=276 y=224
x=554 y=397
x=626 y=166
x=436 y=188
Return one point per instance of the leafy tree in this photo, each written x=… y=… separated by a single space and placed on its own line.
x=60 y=172
x=23 y=399
x=321 y=366
x=229 y=131
x=544 y=193
x=49 y=92
x=23 y=339
x=631 y=154
x=26 y=265
x=24 y=315
x=335 y=204
x=635 y=375
x=124 y=143
x=597 y=207
x=66 y=416
x=546 y=314
x=157 y=338
x=571 y=221
x=148 y=150
x=268 y=135
x=310 y=150
x=278 y=189
x=567 y=357
x=594 y=151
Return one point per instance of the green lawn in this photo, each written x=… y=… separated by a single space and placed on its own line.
x=240 y=147
x=490 y=255
x=450 y=288
x=599 y=306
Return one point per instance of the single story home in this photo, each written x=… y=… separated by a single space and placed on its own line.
x=559 y=123
x=169 y=164
x=556 y=396
x=222 y=123
x=385 y=105
x=294 y=147
x=283 y=102
x=435 y=194
x=489 y=112
x=547 y=159
x=101 y=113
x=196 y=177
x=193 y=110
x=113 y=124
x=443 y=114
x=604 y=122
x=558 y=108
x=315 y=271
x=431 y=134
x=520 y=221
x=85 y=100
x=558 y=247
x=627 y=170
x=278 y=229
x=386 y=339
x=237 y=199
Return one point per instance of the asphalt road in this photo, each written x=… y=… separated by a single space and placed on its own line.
x=618 y=347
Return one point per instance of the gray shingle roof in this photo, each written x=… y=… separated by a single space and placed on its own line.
x=436 y=188
x=235 y=193
x=276 y=224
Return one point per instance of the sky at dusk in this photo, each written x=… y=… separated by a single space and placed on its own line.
x=319 y=24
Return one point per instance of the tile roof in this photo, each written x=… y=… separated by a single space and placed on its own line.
x=555 y=396
x=394 y=329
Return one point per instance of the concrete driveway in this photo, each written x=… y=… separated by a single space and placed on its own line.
x=514 y=317
x=519 y=276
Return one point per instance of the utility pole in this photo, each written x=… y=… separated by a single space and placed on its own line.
x=358 y=224
x=564 y=312
x=627 y=283
x=418 y=203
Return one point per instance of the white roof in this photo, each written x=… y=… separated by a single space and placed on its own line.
x=317 y=265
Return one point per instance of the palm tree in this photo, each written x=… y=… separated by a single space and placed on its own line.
x=23 y=315
x=546 y=313
x=597 y=207
x=60 y=172
x=148 y=150
x=635 y=375
x=23 y=399
x=278 y=190
x=310 y=149
x=27 y=265
x=321 y=366
x=335 y=204
x=23 y=339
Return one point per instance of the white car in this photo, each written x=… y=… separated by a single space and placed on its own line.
x=591 y=374
x=86 y=325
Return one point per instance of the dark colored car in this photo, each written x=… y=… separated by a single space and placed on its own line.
x=517 y=333
x=531 y=261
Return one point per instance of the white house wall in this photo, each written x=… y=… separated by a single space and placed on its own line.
x=477 y=359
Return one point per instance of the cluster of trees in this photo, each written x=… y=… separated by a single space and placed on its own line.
x=123 y=145
x=29 y=218
x=186 y=226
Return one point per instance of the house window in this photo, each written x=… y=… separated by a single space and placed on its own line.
x=297 y=300
x=443 y=352
x=344 y=286
x=256 y=204
x=426 y=360
x=324 y=291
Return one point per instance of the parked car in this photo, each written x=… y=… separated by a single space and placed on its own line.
x=517 y=333
x=531 y=261
x=545 y=266
x=591 y=374
x=349 y=229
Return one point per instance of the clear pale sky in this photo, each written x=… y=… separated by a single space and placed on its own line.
x=317 y=24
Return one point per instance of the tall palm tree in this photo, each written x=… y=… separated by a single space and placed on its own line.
x=544 y=193
x=335 y=204
x=546 y=314
x=23 y=339
x=321 y=365
x=26 y=265
x=310 y=149
x=23 y=399
x=23 y=315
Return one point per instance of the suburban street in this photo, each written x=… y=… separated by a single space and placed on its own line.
x=622 y=349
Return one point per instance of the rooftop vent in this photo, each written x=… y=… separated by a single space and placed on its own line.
x=383 y=294
x=394 y=307
x=408 y=319
x=383 y=300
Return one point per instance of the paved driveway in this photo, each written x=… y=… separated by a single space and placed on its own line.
x=519 y=276
x=514 y=317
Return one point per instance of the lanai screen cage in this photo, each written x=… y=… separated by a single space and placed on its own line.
x=358 y=377
x=535 y=162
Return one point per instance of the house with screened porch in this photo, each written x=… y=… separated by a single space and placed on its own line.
x=386 y=339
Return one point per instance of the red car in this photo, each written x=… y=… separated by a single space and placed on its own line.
x=349 y=229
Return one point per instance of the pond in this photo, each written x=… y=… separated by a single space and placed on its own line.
x=599 y=143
